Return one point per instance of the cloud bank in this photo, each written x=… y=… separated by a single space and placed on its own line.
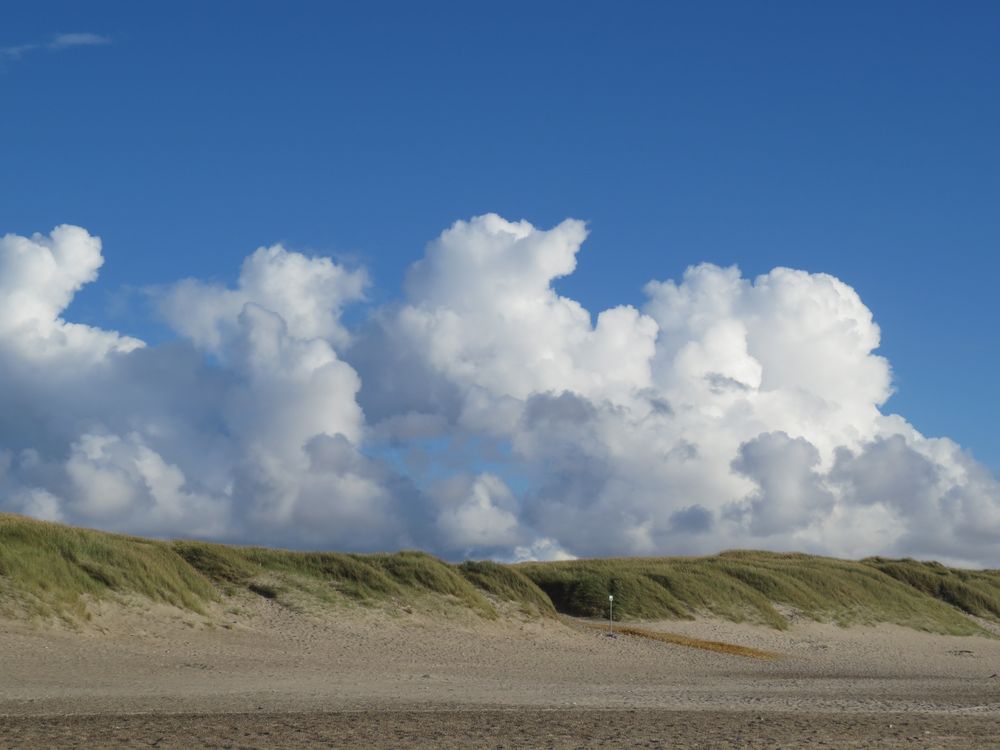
x=480 y=414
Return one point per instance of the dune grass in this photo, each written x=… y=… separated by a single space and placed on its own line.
x=508 y=584
x=47 y=569
x=50 y=570
x=974 y=591
x=753 y=586
x=401 y=577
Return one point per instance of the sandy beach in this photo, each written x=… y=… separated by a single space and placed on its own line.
x=255 y=674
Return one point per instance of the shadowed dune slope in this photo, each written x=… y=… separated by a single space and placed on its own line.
x=50 y=570
x=763 y=587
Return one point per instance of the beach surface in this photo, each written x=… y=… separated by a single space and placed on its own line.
x=254 y=674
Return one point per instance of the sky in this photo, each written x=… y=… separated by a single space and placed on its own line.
x=419 y=378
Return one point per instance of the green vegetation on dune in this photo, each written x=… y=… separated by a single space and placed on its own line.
x=747 y=586
x=233 y=568
x=46 y=568
x=974 y=591
x=50 y=570
x=581 y=588
x=401 y=577
x=423 y=572
x=508 y=584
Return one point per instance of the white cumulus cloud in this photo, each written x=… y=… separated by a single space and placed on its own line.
x=481 y=413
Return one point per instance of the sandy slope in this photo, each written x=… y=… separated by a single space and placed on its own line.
x=261 y=676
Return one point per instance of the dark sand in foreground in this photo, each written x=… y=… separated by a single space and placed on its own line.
x=510 y=728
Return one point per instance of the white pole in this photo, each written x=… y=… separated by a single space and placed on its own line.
x=611 y=614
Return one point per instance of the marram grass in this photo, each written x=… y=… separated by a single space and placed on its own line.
x=50 y=570
x=749 y=586
x=47 y=569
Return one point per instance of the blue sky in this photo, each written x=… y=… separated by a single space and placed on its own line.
x=856 y=139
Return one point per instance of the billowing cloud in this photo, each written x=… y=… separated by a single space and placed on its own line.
x=790 y=493
x=38 y=278
x=225 y=433
x=482 y=413
x=476 y=513
x=308 y=295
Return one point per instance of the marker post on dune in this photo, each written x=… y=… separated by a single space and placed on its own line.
x=611 y=615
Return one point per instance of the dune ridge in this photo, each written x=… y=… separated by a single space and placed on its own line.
x=50 y=570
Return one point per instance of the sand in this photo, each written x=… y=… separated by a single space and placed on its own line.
x=255 y=674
